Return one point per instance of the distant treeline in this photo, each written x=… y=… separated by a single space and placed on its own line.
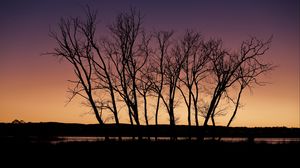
x=126 y=130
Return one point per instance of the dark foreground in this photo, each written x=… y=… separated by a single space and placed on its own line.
x=151 y=153
x=18 y=149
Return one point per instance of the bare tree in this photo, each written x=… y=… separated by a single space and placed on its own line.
x=145 y=78
x=75 y=47
x=128 y=58
x=144 y=88
x=226 y=67
x=129 y=66
x=250 y=70
x=194 y=68
x=172 y=68
x=163 y=40
x=217 y=56
x=103 y=76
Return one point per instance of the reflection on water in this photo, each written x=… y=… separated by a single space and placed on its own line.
x=264 y=140
x=277 y=140
x=66 y=139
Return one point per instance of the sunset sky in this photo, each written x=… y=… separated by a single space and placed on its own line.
x=33 y=87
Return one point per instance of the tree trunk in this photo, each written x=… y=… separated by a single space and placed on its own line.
x=195 y=100
x=213 y=120
x=214 y=111
x=145 y=109
x=212 y=104
x=136 y=115
x=156 y=110
x=95 y=110
x=116 y=118
x=172 y=118
x=196 y=116
x=236 y=106
x=189 y=108
x=189 y=116
x=114 y=104
x=130 y=116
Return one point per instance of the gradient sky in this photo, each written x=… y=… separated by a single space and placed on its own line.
x=33 y=87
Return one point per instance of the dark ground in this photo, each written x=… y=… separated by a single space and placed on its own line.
x=19 y=150
x=152 y=153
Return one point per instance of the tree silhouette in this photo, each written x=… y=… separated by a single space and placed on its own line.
x=99 y=62
x=162 y=38
x=131 y=65
x=172 y=68
x=129 y=54
x=74 y=45
x=194 y=67
x=249 y=71
x=231 y=68
x=145 y=85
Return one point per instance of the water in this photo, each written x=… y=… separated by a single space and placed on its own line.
x=66 y=139
x=277 y=140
